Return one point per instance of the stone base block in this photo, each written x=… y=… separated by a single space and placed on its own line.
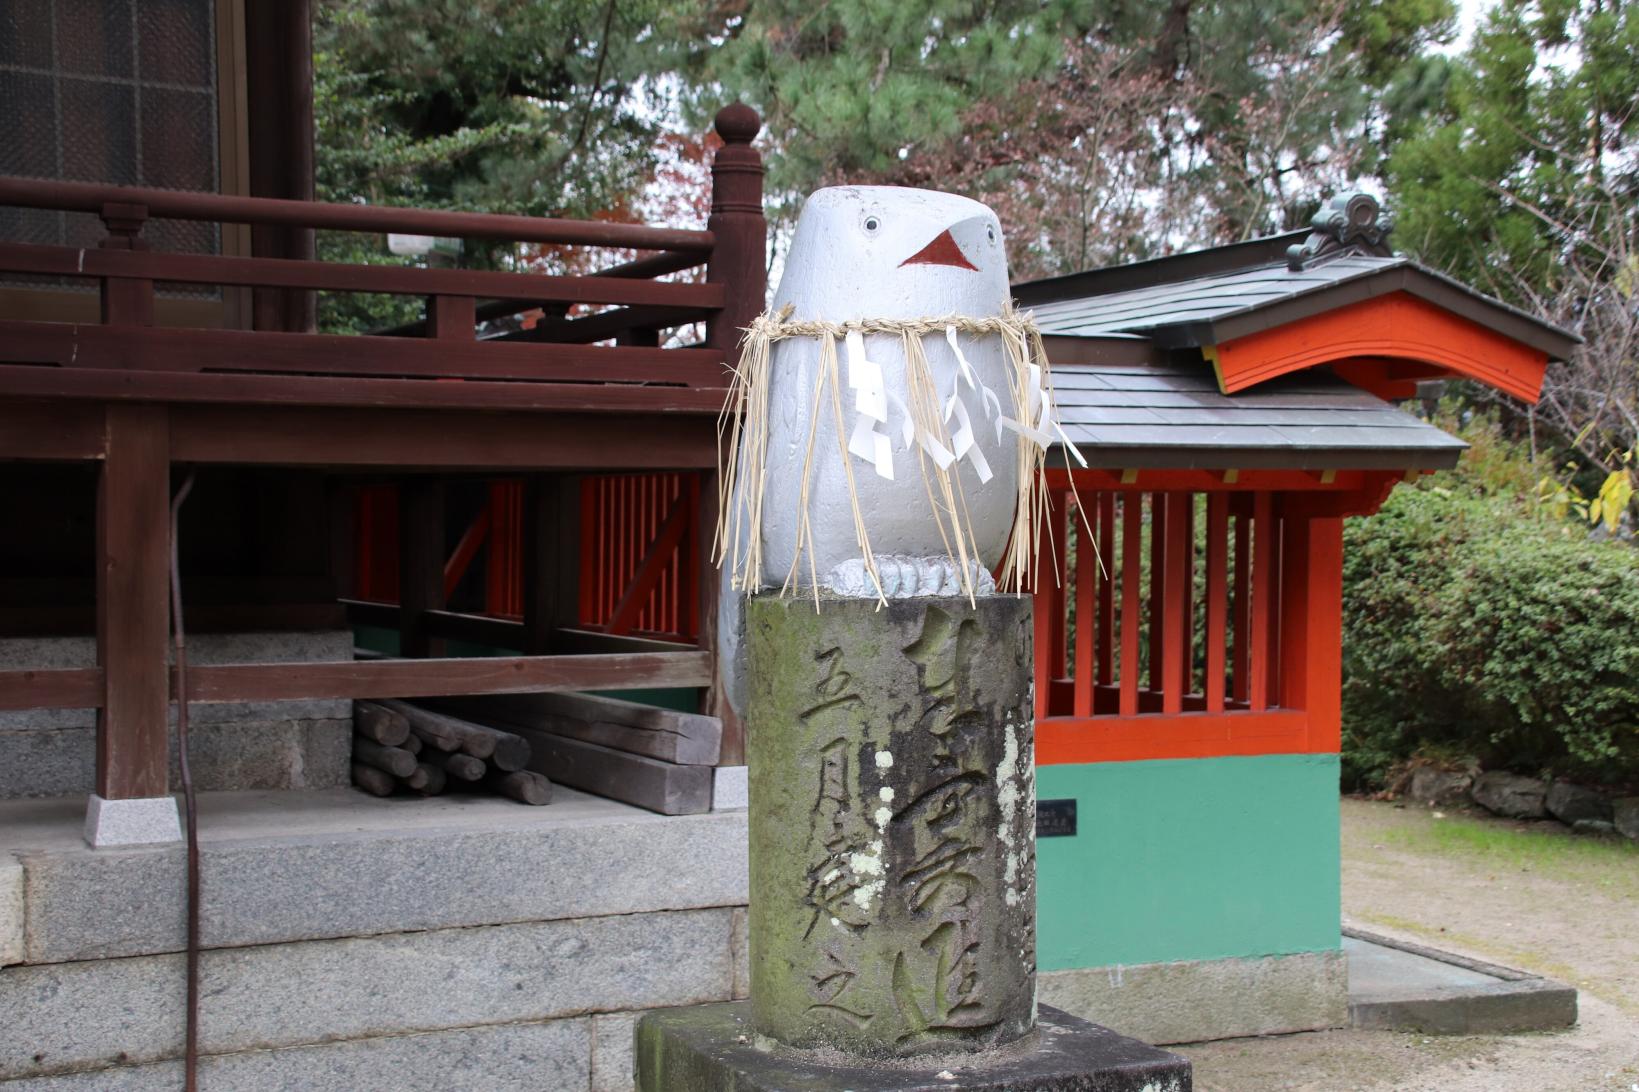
x=712 y=1048
x=138 y=822
x=1199 y=1000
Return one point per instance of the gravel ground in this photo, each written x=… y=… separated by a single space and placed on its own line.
x=1524 y=895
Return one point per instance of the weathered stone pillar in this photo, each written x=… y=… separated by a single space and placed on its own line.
x=893 y=868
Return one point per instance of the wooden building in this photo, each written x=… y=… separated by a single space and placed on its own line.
x=157 y=284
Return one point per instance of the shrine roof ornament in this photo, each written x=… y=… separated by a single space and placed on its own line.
x=1349 y=224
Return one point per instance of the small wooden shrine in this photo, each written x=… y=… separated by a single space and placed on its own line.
x=1234 y=406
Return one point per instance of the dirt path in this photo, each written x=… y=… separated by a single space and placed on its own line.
x=1526 y=895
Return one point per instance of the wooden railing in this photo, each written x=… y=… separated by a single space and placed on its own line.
x=559 y=365
x=1187 y=622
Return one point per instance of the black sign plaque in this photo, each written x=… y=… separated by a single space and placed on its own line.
x=1055 y=818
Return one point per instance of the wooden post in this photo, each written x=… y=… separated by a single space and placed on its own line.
x=551 y=557
x=739 y=258
x=739 y=261
x=421 y=562
x=1311 y=626
x=1176 y=557
x=126 y=301
x=279 y=86
x=133 y=608
x=451 y=318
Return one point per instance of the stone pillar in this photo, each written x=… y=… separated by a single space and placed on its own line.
x=893 y=900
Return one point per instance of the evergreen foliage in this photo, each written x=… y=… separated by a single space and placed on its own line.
x=1478 y=625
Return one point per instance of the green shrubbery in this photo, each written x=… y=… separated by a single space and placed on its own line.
x=1476 y=624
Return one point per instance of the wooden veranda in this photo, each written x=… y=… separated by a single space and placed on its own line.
x=142 y=402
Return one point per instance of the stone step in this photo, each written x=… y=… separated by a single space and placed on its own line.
x=296 y=866
x=70 y=1017
x=556 y=1054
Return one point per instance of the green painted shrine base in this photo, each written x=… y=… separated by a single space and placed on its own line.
x=1199 y=898
x=1190 y=860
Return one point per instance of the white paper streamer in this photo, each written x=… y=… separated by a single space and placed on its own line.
x=963 y=367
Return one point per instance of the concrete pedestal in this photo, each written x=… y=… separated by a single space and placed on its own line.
x=893 y=902
x=142 y=821
x=708 y=1048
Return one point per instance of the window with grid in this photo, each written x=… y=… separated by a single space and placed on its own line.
x=111 y=91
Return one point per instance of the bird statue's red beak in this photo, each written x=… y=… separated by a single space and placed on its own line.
x=942 y=251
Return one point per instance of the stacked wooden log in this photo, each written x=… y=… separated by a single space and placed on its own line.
x=655 y=758
x=401 y=746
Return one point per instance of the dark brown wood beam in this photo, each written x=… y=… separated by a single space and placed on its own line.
x=133 y=611
x=58 y=688
x=446 y=677
x=51 y=431
x=420 y=563
x=450 y=439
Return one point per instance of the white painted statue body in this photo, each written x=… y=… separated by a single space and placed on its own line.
x=839 y=268
x=880 y=252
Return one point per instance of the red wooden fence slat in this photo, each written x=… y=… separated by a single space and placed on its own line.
x=1175 y=556
x=1087 y=588
x=1217 y=557
x=1106 y=589
x=1264 y=572
x=1132 y=529
x=1240 y=663
x=1158 y=588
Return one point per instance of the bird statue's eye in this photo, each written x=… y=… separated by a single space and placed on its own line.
x=990 y=233
x=873 y=224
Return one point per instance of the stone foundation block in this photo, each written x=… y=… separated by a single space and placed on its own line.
x=12 y=938
x=711 y=1048
x=612 y=1034
x=1196 y=1001
x=73 y=1016
x=443 y=869
x=555 y=1055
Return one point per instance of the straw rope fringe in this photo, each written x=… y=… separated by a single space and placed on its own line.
x=745 y=424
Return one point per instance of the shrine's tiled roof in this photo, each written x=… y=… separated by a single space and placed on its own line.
x=1171 y=414
x=1218 y=306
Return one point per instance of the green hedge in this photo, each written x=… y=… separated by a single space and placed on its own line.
x=1474 y=625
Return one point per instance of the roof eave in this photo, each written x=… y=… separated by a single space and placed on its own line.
x=1409 y=277
x=1100 y=457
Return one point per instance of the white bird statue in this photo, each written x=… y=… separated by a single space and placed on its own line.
x=891 y=411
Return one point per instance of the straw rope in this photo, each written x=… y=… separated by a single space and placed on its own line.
x=742 y=504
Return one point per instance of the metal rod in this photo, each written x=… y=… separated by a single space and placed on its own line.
x=190 y=1063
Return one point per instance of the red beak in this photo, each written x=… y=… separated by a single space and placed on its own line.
x=942 y=251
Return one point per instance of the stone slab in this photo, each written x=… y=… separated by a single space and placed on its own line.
x=710 y=1048
x=227 y=755
x=133 y=822
x=612 y=1034
x=555 y=1055
x=729 y=788
x=1200 y=1000
x=284 y=866
x=71 y=1016
x=13 y=939
x=1397 y=985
